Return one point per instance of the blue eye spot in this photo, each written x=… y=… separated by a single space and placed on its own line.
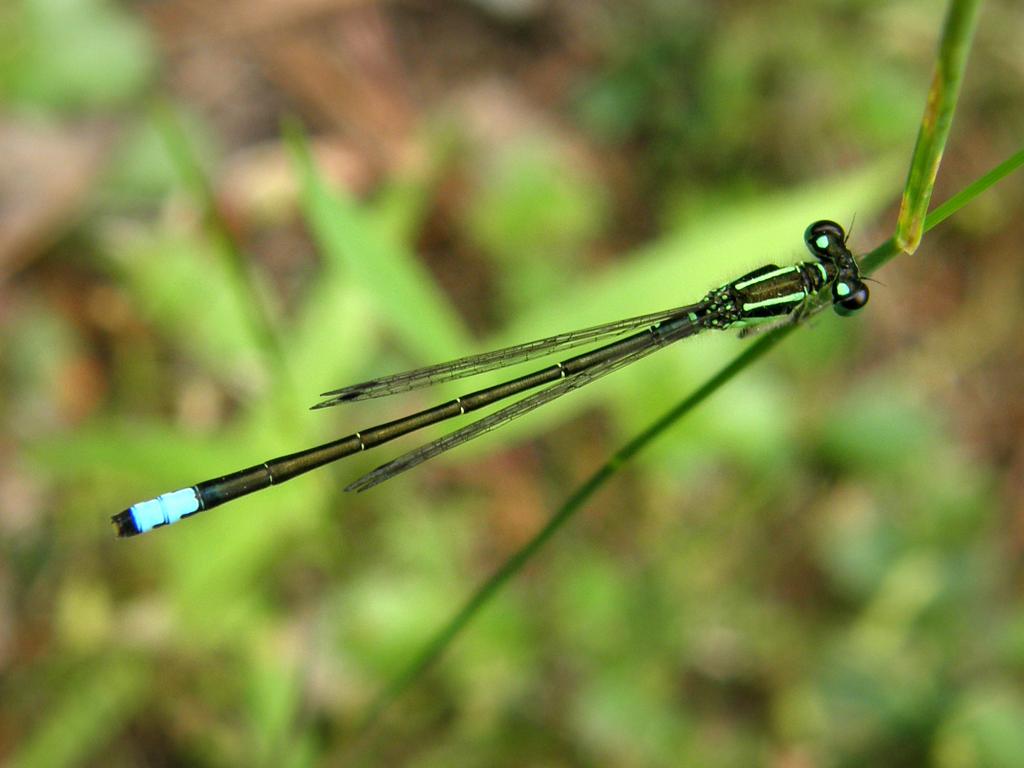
x=842 y=289
x=822 y=241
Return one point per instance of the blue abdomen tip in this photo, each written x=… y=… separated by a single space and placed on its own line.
x=164 y=510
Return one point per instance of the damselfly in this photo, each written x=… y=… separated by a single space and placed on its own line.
x=785 y=294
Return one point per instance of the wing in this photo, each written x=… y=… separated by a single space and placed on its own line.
x=489 y=361
x=498 y=418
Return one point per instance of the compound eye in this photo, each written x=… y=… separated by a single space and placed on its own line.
x=822 y=234
x=849 y=296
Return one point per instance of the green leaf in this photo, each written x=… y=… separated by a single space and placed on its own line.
x=187 y=292
x=72 y=54
x=400 y=289
x=89 y=711
x=984 y=730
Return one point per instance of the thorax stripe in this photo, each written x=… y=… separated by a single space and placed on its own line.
x=762 y=278
x=788 y=298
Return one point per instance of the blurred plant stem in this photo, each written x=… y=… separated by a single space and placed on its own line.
x=190 y=171
x=437 y=645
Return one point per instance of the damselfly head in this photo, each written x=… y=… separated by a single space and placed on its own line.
x=827 y=241
x=822 y=235
x=848 y=295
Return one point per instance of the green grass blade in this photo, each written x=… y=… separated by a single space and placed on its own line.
x=185 y=162
x=89 y=713
x=889 y=249
x=440 y=642
x=957 y=35
x=169 y=276
x=401 y=290
x=971 y=191
x=931 y=138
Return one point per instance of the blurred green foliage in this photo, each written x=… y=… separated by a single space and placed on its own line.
x=71 y=55
x=814 y=569
x=532 y=203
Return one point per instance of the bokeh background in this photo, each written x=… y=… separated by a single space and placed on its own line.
x=821 y=566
